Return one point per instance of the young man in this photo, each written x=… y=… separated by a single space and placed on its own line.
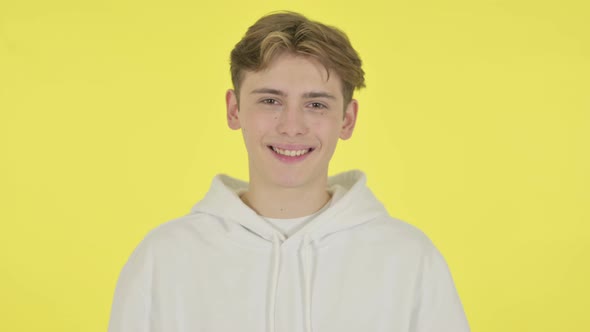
x=292 y=250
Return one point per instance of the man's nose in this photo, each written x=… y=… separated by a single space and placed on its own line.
x=292 y=122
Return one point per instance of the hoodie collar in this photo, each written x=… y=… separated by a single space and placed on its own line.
x=357 y=205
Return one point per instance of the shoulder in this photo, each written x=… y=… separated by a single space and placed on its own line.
x=398 y=241
x=185 y=230
x=171 y=241
x=417 y=247
x=398 y=233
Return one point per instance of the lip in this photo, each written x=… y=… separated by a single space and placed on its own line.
x=287 y=146
x=290 y=159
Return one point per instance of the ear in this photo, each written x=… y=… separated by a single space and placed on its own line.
x=231 y=104
x=349 y=119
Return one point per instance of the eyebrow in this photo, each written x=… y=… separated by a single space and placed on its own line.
x=307 y=95
x=314 y=94
x=269 y=91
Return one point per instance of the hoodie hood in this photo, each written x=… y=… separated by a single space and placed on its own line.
x=352 y=204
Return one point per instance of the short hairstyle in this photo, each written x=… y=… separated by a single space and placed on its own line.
x=293 y=33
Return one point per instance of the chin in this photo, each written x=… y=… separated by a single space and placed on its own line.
x=293 y=179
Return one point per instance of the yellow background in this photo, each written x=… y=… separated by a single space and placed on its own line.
x=475 y=126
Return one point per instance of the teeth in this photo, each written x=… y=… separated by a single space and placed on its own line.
x=290 y=153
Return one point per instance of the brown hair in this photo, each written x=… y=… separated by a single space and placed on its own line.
x=291 y=32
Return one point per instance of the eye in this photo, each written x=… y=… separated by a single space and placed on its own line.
x=270 y=101
x=317 y=106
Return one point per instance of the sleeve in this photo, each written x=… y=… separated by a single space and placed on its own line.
x=438 y=307
x=131 y=301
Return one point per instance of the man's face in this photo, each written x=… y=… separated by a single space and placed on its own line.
x=291 y=116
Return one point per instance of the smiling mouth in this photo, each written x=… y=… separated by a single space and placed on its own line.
x=290 y=153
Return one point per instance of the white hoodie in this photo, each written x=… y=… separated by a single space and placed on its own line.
x=224 y=268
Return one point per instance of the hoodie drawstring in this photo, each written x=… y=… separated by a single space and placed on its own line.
x=307 y=257
x=276 y=251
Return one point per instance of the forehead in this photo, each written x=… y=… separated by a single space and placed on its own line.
x=292 y=74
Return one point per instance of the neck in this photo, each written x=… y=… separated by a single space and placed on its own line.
x=285 y=203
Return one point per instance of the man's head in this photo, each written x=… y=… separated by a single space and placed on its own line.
x=292 y=100
x=288 y=32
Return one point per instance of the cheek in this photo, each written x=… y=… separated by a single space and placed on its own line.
x=254 y=130
x=328 y=130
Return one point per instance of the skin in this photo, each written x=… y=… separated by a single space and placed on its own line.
x=294 y=105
